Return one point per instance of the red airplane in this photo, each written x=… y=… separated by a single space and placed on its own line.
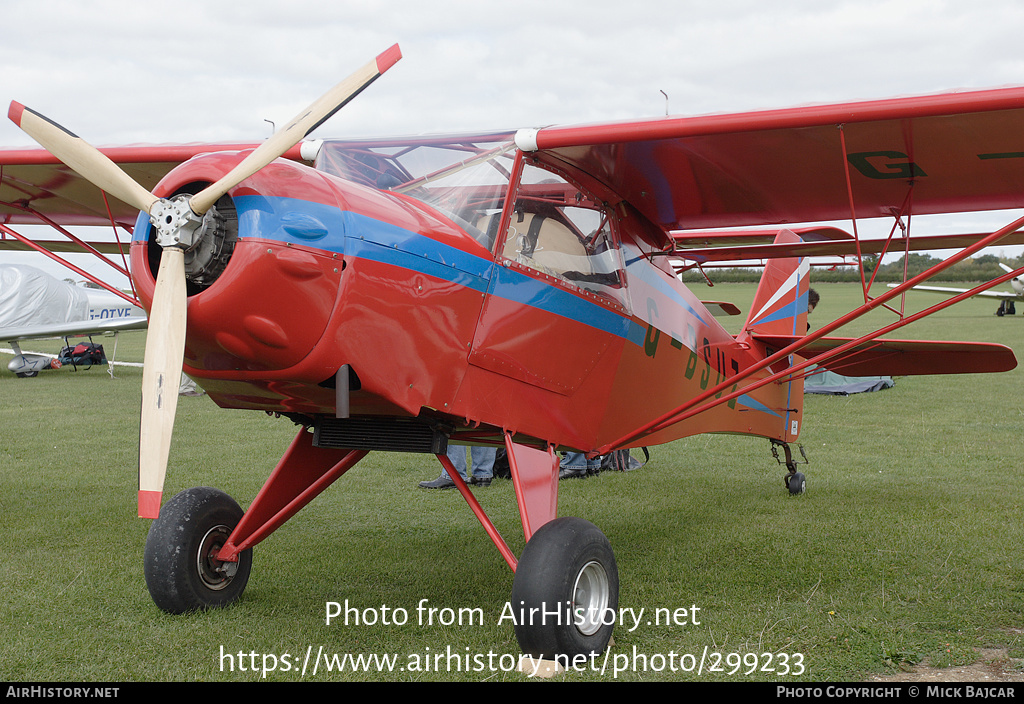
x=512 y=289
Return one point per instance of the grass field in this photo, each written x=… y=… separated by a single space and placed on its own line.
x=906 y=548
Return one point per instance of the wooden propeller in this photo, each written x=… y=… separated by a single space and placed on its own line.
x=165 y=344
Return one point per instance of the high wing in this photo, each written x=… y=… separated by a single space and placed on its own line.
x=34 y=183
x=951 y=152
x=84 y=327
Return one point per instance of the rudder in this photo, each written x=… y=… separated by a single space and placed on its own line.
x=780 y=308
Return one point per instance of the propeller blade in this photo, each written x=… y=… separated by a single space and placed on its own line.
x=161 y=377
x=81 y=157
x=165 y=345
x=296 y=130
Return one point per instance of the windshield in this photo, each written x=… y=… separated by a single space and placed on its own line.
x=464 y=178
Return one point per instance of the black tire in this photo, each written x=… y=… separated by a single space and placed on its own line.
x=568 y=565
x=180 y=570
x=797 y=483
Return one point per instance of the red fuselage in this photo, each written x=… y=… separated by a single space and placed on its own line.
x=556 y=338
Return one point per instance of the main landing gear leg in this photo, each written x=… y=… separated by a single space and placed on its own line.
x=199 y=551
x=795 y=481
x=565 y=591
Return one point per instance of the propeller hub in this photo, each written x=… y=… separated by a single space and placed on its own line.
x=175 y=222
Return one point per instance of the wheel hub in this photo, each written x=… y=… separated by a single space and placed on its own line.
x=215 y=574
x=590 y=597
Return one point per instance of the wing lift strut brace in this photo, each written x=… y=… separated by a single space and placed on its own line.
x=718 y=394
x=5 y=229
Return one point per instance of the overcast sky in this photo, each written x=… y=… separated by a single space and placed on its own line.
x=128 y=71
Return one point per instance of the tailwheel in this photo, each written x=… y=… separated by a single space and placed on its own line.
x=565 y=593
x=796 y=483
x=180 y=564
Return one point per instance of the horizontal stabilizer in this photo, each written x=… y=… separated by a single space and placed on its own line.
x=902 y=357
x=721 y=309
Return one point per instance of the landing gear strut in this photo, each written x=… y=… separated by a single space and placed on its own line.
x=796 y=482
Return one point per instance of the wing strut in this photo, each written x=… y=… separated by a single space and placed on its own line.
x=697 y=404
x=63 y=262
x=906 y=208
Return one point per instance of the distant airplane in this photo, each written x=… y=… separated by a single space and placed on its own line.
x=1006 y=298
x=35 y=305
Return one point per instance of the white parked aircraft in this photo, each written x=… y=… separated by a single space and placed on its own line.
x=35 y=305
x=1007 y=298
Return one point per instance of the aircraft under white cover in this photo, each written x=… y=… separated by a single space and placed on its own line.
x=35 y=305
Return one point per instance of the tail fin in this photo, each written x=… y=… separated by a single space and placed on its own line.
x=780 y=308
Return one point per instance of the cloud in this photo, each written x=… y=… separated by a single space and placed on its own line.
x=120 y=71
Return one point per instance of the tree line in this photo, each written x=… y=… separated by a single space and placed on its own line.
x=982 y=268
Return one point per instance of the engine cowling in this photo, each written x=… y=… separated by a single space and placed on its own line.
x=263 y=276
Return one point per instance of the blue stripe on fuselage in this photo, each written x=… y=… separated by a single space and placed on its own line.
x=363 y=237
x=330 y=229
x=521 y=288
x=376 y=241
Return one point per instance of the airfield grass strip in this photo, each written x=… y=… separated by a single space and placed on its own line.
x=906 y=548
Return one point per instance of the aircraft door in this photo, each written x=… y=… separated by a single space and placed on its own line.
x=556 y=301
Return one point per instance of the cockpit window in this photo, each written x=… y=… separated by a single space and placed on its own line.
x=560 y=231
x=555 y=229
x=465 y=180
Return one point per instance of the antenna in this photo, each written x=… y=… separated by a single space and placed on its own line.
x=666 y=101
